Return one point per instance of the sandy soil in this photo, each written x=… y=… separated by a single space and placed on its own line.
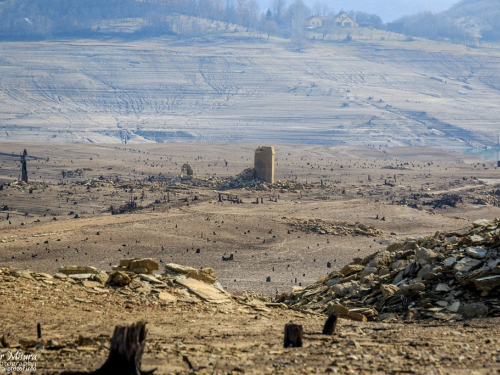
x=243 y=336
x=43 y=234
x=397 y=191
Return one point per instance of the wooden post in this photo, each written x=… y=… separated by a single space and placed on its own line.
x=125 y=353
x=293 y=335
x=330 y=325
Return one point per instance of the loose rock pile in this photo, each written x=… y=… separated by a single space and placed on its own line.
x=334 y=227
x=135 y=277
x=449 y=276
x=244 y=180
x=490 y=197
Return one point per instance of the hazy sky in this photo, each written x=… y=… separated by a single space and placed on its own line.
x=388 y=10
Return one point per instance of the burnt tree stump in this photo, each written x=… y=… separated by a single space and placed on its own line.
x=24 y=170
x=330 y=325
x=293 y=336
x=125 y=353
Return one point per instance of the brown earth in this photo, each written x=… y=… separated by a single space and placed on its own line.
x=391 y=193
x=241 y=337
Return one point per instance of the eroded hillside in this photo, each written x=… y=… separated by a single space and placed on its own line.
x=383 y=93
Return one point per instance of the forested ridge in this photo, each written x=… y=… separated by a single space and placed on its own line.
x=466 y=22
x=41 y=19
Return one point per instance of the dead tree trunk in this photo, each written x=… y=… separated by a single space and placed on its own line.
x=293 y=335
x=330 y=325
x=24 y=170
x=125 y=353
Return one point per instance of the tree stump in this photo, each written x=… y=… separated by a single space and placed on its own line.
x=293 y=336
x=330 y=325
x=24 y=170
x=125 y=353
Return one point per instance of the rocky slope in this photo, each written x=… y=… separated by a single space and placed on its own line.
x=447 y=276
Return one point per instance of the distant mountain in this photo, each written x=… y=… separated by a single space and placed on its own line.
x=465 y=22
x=479 y=17
x=478 y=8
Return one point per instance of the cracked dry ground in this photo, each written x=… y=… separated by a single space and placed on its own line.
x=242 y=336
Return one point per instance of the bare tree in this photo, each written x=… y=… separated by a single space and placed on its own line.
x=298 y=12
x=253 y=13
x=278 y=8
x=321 y=9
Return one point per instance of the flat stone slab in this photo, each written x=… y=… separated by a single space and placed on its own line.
x=151 y=279
x=81 y=276
x=205 y=291
x=476 y=252
x=167 y=297
x=466 y=264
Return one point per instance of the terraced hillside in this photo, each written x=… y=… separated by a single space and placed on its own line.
x=383 y=93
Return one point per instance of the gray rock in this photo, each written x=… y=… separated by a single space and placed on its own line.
x=423 y=255
x=333 y=281
x=493 y=263
x=368 y=271
x=101 y=277
x=345 y=288
x=415 y=286
x=424 y=272
x=411 y=269
x=454 y=307
x=449 y=262
x=466 y=264
x=482 y=223
x=398 y=264
x=475 y=238
x=442 y=287
x=381 y=260
x=473 y=310
x=476 y=252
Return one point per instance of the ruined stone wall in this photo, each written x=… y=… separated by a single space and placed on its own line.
x=264 y=164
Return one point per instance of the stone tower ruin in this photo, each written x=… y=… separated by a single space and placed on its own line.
x=264 y=164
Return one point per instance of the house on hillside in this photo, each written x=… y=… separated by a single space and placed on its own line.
x=341 y=20
x=314 y=21
x=344 y=20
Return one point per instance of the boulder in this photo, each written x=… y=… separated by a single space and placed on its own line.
x=204 y=291
x=102 y=277
x=206 y=275
x=120 y=278
x=138 y=265
x=473 y=310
